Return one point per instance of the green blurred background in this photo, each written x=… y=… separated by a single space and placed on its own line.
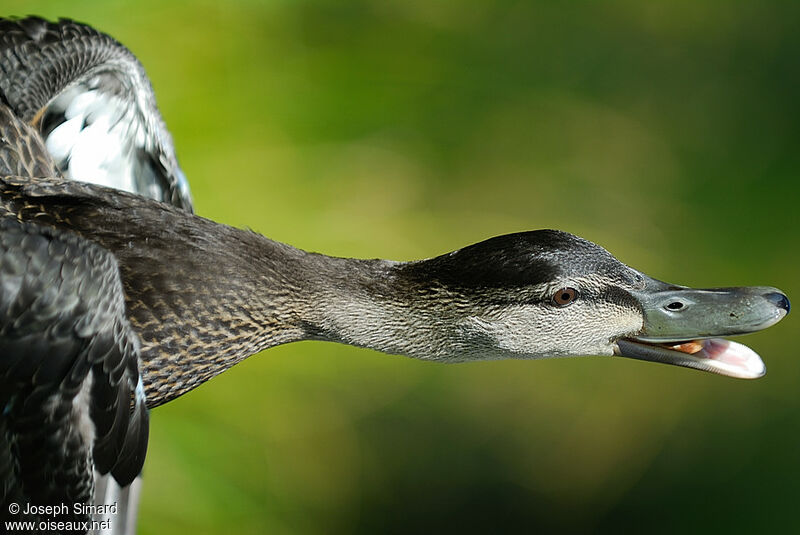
x=666 y=131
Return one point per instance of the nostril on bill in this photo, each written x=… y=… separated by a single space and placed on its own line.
x=779 y=300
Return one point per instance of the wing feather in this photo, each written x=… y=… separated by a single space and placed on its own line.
x=72 y=400
x=91 y=101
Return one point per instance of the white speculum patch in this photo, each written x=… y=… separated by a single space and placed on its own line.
x=95 y=142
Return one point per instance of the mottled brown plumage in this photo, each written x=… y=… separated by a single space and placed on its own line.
x=22 y=152
x=193 y=314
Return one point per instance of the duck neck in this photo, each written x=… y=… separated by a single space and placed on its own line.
x=241 y=293
x=374 y=304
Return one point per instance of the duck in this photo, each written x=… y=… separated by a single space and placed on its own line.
x=116 y=298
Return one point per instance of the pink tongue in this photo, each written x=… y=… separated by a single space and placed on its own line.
x=731 y=357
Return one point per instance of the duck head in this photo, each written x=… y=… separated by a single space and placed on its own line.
x=549 y=293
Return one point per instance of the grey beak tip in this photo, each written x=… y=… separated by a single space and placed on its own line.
x=779 y=300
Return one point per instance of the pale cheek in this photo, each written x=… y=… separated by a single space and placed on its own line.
x=573 y=330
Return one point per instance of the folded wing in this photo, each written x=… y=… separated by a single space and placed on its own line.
x=71 y=396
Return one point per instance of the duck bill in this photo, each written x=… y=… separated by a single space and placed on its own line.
x=682 y=326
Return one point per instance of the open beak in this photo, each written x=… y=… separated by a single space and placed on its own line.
x=682 y=326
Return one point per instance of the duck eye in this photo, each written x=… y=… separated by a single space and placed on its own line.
x=565 y=296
